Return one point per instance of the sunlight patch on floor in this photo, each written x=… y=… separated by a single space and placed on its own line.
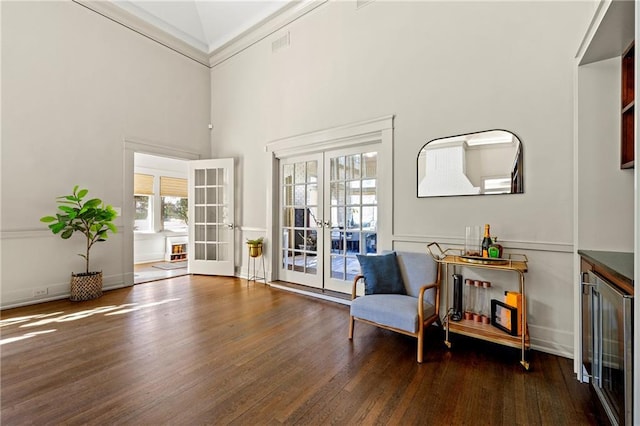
x=60 y=317
x=24 y=336
x=18 y=320
x=137 y=308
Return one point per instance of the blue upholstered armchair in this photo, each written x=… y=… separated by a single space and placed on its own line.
x=406 y=299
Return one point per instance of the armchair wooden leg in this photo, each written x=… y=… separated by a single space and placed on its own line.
x=351 y=321
x=439 y=322
x=420 y=341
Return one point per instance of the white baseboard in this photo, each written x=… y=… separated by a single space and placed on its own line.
x=58 y=291
x=149 y=258
x=555 y=342
x=312 y=294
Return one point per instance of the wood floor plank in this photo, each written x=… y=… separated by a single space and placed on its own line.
x=214 y=350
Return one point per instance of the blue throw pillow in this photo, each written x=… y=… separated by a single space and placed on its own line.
x=381 y=274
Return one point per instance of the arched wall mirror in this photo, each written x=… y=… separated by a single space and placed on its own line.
x=482 y=163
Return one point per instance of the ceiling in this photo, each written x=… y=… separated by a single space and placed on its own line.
x=204 y=24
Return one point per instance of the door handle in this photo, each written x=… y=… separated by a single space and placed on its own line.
x=585 y=287
x=230 y=225
x=585 y=283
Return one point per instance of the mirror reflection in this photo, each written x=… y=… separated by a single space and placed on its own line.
x=487 y=162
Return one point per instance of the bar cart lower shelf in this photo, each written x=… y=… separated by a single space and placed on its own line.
x=476 y=329
x=486 y=332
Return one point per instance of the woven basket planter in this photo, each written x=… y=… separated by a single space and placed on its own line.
x=86 y=286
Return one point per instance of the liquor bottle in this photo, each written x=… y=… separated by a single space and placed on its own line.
x=495 y=249
x=458 y=309
x=486 y=241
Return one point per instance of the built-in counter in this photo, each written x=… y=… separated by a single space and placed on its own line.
x=613 y=265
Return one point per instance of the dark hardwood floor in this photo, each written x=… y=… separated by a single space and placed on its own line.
x=209 y=350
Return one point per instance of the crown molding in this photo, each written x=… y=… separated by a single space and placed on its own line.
x=290 y=13
x=128 y=20
x=262 y=29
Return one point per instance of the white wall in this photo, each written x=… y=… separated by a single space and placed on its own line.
x=605 y=192
x=443 y=68
x=75 y=85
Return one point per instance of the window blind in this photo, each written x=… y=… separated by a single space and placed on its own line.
x=173 y=187
x=142 y=184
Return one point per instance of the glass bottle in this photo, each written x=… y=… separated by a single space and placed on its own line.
x=469 y=299
x=478 y=301
x=486 y=241
x=485 y=305
x=495 y=250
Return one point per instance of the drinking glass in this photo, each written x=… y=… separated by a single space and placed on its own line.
x=472 y=241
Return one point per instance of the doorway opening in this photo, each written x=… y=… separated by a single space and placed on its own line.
x=160 y=230
x=329 y=214
x=333 y=201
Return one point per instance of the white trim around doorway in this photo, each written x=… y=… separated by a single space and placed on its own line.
x=377 y=130
x=130 y=147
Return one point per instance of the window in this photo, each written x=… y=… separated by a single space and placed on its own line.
x=173 y=201
x=496 y=185
x=143 y=198
x=174 y=213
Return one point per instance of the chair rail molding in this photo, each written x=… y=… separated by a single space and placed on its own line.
x=558 y=247
x=26 y=233
x=32 y=233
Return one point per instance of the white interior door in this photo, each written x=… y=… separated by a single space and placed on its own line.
x=329 y=213
x=211 y=213
x=301 y=242
x=351 y=213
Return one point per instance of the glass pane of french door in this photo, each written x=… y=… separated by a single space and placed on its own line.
x=352 y=205
x=300 y=222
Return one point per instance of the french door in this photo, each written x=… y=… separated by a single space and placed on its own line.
x=211 y=213
x=351 y=207
x=301 y=219
x=329 y=213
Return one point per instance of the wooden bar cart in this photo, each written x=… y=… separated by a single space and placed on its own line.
x=453 y=259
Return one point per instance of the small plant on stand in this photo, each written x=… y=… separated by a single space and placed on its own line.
x=255 y=246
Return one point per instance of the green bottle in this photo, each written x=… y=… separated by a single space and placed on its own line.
x=486 y=241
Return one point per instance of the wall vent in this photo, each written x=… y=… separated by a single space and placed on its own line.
x=360 y=3
x=281 y=42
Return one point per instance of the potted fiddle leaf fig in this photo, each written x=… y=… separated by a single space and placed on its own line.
x=94 y=220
